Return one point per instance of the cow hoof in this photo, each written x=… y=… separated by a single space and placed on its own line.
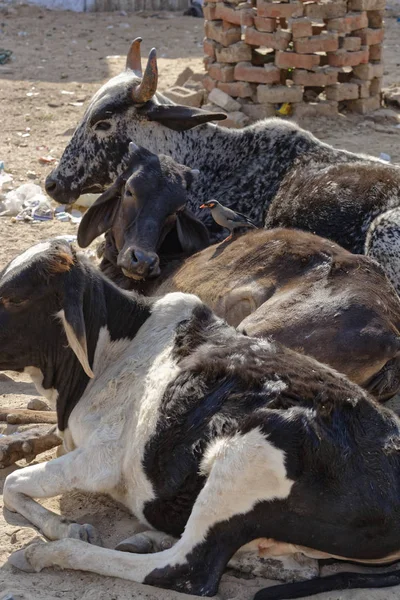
x=137 y=544
x=85 y=533
x=18 y=560
x=146 y=543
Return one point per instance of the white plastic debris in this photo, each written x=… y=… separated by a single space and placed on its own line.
x=26 y=203
x=385 y=157
x=4 y=177
x=74 y=216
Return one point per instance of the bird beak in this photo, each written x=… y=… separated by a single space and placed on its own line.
x=203 y=206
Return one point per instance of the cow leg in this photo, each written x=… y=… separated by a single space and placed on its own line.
x=81 y=469
x=241 y=472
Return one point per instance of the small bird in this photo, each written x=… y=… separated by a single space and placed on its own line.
x=228 y=218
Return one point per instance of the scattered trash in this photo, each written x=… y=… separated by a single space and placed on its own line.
x=5 y=56
x=74 y=216
x=284 y=110
x=385 y=157
x=46 y=160
x=27 y=203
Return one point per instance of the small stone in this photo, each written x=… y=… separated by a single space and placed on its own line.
x=31 y=174
x=37 y=404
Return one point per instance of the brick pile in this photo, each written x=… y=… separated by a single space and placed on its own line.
x=319 y=56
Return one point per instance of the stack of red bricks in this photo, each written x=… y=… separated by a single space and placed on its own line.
x=319 y=56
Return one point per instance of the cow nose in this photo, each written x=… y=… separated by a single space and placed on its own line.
x=50 y=185
x=143 y=263
x=139 y=263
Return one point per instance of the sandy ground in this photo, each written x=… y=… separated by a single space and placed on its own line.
x=54 y=53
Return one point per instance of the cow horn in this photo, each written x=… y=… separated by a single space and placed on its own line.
x=133 y=59
x=148 y=86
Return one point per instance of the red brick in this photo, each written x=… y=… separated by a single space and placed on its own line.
x=209 y=47
x=351 y=43
x=332 y=9
x=326 y=42
x=233 y=54
x=376 y=86
x=375 y=18
x=209 y=11
x=214 y=30
x=245 y=71
x=279 y=93
x=349 y=23
x=375 y=53
x=278 y=40
x=286 y=60
x=258 y=111
x=341 y=58
x=221 y=72
x=207 y=61
x=367 y=4
x=364 y=105
x=342 y=91
x=368 y=71
x=264 y=24
x=277 y=11
x=301 y=27
x=363 y=87
x=238 y=89
x=321 y=77
x=315 y=109
x=370 y=37
x=209 y=83
x=237 y=17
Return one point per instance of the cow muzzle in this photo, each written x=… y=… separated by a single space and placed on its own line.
x=60 y=192
x=138 y=264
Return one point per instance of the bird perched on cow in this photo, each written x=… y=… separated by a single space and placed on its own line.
x=227 y=217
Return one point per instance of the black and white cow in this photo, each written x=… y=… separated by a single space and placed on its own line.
x=273 y=171
x=202 y=432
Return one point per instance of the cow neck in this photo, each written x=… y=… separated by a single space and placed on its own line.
x=104 y=305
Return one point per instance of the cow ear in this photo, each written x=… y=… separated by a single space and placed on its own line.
x=100 y=216
x=192 y=233
x=179 y=118
x=73 y=321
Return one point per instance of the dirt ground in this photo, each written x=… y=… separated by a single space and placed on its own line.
x=60 y=59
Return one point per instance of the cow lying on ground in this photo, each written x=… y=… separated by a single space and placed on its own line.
x=305 y=291
x=201 y=431
x=272 y=171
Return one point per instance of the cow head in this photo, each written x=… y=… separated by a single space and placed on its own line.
x=41 y=294
x=126 y=108
x=145 y=209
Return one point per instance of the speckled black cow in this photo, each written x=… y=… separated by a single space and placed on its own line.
x=271 y=170
x=200 y=431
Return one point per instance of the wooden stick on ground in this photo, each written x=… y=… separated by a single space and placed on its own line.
x=26 y=444
x=22 y=416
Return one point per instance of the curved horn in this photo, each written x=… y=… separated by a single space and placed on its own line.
x=148 y=86
x=133 y=60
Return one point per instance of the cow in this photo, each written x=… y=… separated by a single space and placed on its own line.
x=204 y=433
x=273 y=171
x=305 y=291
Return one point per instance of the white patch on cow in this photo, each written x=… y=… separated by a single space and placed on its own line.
x=50 y=394
x=26 y=256
x=120 y=407
x=242 y=470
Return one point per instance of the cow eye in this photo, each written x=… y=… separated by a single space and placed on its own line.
x=13 y=302
x=102 y=126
